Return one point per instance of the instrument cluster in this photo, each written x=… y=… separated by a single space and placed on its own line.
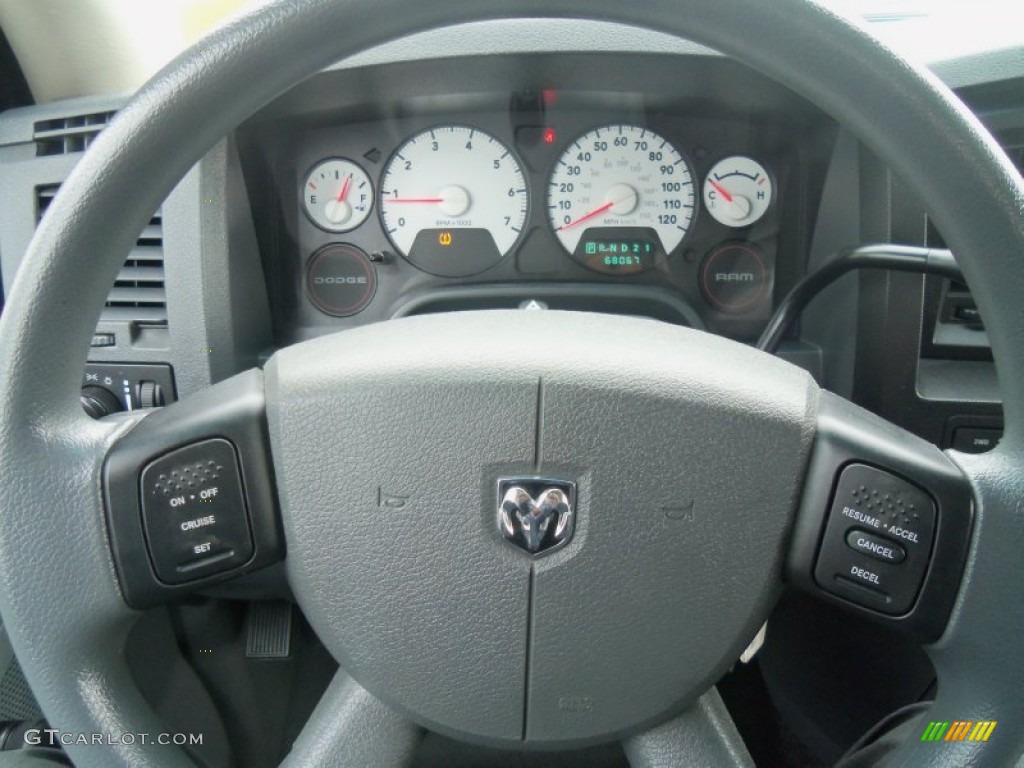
x=571 y=194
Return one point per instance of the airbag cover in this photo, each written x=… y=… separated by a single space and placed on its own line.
x=687 y=452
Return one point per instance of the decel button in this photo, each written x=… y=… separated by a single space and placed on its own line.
x=876 y=546
x=194 y=512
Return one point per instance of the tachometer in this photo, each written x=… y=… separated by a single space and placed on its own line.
x=621 y=197
x=453 y=200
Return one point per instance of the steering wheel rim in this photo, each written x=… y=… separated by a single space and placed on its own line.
x=50 y=453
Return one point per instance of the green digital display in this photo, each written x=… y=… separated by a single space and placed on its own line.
x=619 y=249
x=619 y=254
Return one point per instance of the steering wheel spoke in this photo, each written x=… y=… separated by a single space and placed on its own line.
x=351 y=728
x=704 y=736
x=189 y=494
x=884 y=522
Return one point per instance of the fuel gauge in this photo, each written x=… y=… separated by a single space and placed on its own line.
x=737 y=191
x=337 y=195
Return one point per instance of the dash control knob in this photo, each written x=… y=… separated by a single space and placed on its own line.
x=149 y=394
x=98 y=402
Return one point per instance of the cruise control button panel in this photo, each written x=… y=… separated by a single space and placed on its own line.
x=878 y=540
x=194 y=512
x=189 y=494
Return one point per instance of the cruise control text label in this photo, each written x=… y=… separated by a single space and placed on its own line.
x=863 y=574
x=903 y=533
x=199 y=522
x=860 y=517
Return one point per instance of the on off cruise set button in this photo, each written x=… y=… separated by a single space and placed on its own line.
x=194 y=512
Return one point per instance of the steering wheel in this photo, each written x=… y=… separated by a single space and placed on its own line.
x=697 y=469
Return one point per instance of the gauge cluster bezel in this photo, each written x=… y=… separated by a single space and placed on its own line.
x=713 y=109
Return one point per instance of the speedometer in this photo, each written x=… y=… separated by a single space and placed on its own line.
x=453 y=200
x=621 y=197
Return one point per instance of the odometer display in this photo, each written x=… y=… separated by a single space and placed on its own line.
x=621 y=186
x=619 y=250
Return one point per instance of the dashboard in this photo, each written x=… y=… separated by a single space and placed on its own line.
x=691 y=201
x=244 y=257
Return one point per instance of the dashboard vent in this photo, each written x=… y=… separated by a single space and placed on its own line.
x=139 y=294
x=64 y=135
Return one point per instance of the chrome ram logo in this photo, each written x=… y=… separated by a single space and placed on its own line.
x=536 y=514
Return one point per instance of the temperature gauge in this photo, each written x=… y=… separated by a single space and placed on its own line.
x=337 y=195
x=737 y=191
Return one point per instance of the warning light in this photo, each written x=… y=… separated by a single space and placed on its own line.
x=549 y=96
x=445 y=238
x=549 y=135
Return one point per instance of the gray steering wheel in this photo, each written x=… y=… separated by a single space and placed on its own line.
x=439 y=622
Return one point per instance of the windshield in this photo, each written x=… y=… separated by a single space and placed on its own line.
x=116 y=45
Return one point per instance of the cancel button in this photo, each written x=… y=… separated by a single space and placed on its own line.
x=875 y=546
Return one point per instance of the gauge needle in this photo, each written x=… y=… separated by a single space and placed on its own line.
x=587 y=216
x=721 y=190
x=413 y=199
x=344 y=189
